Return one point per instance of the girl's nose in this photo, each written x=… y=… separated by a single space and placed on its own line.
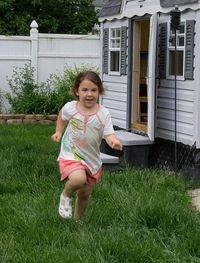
x=89 y=92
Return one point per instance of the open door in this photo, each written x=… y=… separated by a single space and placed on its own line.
x=144 y=62
x=151 y=76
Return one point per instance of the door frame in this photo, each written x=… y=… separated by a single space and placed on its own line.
x=133 y=79
x=151 y=76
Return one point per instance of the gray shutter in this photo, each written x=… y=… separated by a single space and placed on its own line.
x=123 y=50
x=189 y=49
x=162 y=50
x=105 y=50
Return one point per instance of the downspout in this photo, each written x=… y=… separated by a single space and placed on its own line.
x=101 y=56
x=129 y=75
x=197 y=90
x=175 y=24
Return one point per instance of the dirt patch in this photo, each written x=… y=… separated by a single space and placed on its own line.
x=195 y=194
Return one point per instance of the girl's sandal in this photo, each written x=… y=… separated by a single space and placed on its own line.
x=65 y=208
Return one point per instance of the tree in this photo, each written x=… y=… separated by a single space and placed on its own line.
x=60 y=16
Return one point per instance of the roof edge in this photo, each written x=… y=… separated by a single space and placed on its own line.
x=150 y=10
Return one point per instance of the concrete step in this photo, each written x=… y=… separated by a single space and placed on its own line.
x=136 y=150
x=110 y=162
x=130 y=138
x=109 y=159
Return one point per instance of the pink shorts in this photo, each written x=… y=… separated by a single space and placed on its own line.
x=66 y=167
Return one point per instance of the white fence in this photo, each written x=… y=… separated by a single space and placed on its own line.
x=47 y=53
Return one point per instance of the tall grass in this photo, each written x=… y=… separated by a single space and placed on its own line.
x=134 y=216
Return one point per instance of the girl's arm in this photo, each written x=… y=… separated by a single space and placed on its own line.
x=59 y=129
x=113 y=142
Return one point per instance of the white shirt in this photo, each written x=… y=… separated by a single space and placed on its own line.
x=83 y=135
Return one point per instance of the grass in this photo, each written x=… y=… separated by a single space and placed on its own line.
x=134 y=216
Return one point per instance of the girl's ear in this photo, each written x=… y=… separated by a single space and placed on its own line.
x=77 y=93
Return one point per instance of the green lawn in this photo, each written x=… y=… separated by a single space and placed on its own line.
x=134 y=216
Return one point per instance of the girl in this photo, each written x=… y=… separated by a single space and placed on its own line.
x=79 y=159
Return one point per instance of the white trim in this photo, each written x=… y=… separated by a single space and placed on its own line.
x=114 y=73
x=15 y=57
x=67 y=36
x=67 y=55
x=16 y=38
x=151 y=76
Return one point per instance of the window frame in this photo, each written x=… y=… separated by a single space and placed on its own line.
x=178 y=48
x=113 y=49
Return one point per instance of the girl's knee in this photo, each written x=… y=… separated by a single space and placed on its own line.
x=78 y=178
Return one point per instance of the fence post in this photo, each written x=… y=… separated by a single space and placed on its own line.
x=34 y=48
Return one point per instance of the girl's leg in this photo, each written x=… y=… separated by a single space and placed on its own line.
x=76 y=180
x=83 y=195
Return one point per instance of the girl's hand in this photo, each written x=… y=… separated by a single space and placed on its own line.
x=116 y=144
x=113 y=142
x=56 y=137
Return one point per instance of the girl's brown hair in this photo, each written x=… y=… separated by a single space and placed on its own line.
x=89 y=75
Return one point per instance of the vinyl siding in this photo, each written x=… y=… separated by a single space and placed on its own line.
x=186 y=99
x=115 y=99
x=169 y=135
x=166 y=113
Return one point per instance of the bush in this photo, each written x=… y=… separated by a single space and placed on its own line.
x=26 y=96
x=48 y=97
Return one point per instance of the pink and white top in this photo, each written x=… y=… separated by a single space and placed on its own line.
x=82 y=137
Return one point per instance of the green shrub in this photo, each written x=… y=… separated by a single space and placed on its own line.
x=48 y=97
x=26 y=96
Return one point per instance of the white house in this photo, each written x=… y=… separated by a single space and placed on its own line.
x=152 y=73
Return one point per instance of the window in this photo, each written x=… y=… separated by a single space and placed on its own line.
x=114 y=49
x=185 y=51
x=114 y=59
x=180 y=47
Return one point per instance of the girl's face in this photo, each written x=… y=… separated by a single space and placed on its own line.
x=88 y=94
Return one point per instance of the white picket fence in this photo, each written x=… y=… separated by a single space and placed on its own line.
x=47 y=53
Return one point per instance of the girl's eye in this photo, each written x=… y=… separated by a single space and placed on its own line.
x=92 y=90
x=85 y=90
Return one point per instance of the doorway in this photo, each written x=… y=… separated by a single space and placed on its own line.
x=140 y=99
